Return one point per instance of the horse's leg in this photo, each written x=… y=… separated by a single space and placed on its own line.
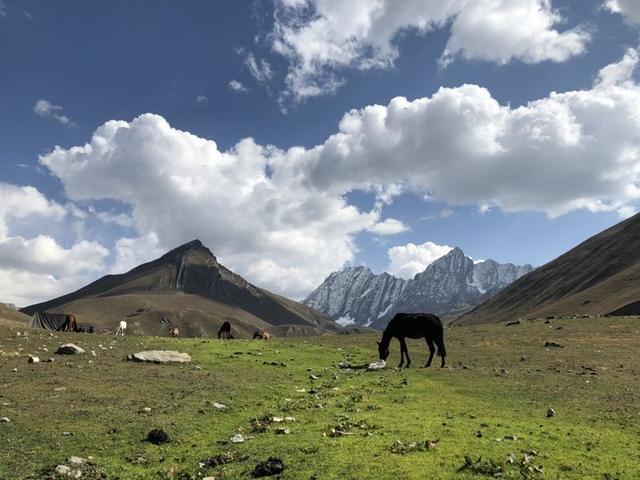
x=403 y=350
x=432 y=350
x=441 y=350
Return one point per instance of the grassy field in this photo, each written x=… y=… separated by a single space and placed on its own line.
x=485 y=415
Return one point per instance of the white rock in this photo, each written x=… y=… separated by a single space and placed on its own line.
x=219 y=406
x=4 y=420
x=159 y=356
x=33 y=359
x=237 y=438
x=73 y=460
x=377 y=365
x=69 y=349
x=63 y=470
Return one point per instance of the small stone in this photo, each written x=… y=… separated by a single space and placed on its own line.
x=146 y=409
x=219 y=406
x=523 y=358
x=551 y=412
x=4 y=420
x=76 y=461
x=33 y=359
x=67 y=434
x=553 y=345
x=510 y=437
x=93 y=353
x=314 y=377
x=237 y=438
x=69 y=349
x=14 y=369
x=282 y=431
x=63 y=470
x=277 y=419
x=289 y=419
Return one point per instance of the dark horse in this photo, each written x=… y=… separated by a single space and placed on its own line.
x=413 y=325
x=225 y=331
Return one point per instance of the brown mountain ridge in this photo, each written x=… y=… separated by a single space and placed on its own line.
x=189 y=289
x=601 y=276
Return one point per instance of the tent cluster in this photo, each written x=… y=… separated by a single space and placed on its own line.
x=58 y=322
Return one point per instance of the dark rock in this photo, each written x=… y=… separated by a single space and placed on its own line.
x=272 y=466
x=158 y=436
x=553 y=344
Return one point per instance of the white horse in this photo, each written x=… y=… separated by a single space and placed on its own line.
x=121 y=328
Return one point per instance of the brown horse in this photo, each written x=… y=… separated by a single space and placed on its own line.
x=225 y=331
x=261 y=335
x=413 y=325
x=174 y=332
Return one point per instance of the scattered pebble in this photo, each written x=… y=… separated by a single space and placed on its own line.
x=237 y=438
x=551 y=412
x=553 y=344
x=219 y=406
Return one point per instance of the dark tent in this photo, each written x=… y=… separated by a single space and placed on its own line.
x=60 y=322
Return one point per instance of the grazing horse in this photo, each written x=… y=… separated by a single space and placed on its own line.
x=225 y=331
x=261 y=335
x=122 y=327
x=413 y=325
x=174 y=332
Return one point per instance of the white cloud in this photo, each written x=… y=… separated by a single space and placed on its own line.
x=321 y=37
x=629 y=9
x=201 y=100
x=581 y=148
x=44 y=108
x=407 y=260
x=237 y=86
x=3 y=9
x=259 y=69
x=389 y=226
x=32 y=269
x=248 y=204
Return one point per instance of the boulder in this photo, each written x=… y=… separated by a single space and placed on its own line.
x=159 y=356
x=69 y=349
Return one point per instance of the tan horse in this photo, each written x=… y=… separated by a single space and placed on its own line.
x=174 y=332
x=261 y=335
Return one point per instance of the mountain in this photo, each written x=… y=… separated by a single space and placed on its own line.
x=185 y=288
x=449 y=285
x=598 y=277
x=10 y=316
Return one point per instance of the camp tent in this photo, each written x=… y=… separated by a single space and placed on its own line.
x=60 y=322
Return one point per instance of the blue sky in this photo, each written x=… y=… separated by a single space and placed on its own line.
x=287 y=217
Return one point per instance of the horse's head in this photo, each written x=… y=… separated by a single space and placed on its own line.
x=383 y=351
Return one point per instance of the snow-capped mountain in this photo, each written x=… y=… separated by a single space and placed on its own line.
x=449 y=285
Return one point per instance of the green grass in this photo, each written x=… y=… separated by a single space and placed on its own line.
x=463 y=411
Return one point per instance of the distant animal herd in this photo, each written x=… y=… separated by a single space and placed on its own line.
x=401 y=326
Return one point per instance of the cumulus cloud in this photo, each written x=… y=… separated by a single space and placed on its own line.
x=237 y=86
x=321 y=37
x=3 y=9
x=248 y=204
x=629 y=9
x=407 y=260
x=32 y=269
x=201 y=100
x=44 y=108
x=581 y=148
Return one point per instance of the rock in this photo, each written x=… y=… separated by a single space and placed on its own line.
x=219 y=406
x=237 y=438
x=272 y=466
x=67 y=434
x=553 y=345
x=510 y=437
x=512 y=322
x=282 y=431
x=63 y=470
x=314 y=377
x=377 y=365
x=159 y=356
x=14 y=369
x=33 y=359
x=523 y=358
x=76 y=461
x=158 y=436
x=551 y=412
x=146 y=409
x=4 y=420
x=69 y=349
x=289 y=419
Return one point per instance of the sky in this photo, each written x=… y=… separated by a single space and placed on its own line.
x=297 y=137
